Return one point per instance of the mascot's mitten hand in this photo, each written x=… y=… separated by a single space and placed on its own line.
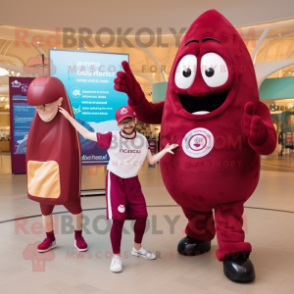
x=252 y=125
x=126 y=82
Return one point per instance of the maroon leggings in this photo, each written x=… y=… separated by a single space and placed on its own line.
x=72 y=207
x=116 y=232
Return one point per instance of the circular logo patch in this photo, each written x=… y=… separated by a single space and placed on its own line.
x=198 y=142
x=121 y=208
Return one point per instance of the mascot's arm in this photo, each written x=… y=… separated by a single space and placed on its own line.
x=146 y=111
x=258 y=127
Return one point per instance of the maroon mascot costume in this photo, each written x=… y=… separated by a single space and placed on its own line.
x=212 y=110
x=53 y=156
x=55 y=143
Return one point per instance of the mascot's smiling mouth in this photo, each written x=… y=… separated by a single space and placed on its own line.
x=203 y=105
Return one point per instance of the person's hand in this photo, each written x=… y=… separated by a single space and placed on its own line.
x=64 y=112
x=125 y=82
x=252 y=125
x=169 y=148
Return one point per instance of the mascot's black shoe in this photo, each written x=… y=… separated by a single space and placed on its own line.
x=238 y=268
x=191 y=247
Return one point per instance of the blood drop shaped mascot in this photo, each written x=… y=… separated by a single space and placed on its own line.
x=212 y=110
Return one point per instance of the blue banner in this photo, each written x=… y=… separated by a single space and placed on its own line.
x=89 y=79
x=22 y=118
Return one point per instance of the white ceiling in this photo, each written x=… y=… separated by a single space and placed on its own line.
x=123 y=14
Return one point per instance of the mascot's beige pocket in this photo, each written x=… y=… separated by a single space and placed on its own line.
x=43 y=179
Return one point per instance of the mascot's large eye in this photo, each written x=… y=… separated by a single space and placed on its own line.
x=186 y=71
x=214 y=70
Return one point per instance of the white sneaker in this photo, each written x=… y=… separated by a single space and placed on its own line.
x=116 y=264
x=143 y=253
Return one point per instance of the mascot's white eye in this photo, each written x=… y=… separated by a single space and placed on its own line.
x=186 y=71
x=214 y=70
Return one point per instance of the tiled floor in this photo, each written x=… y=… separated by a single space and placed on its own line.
x=269 y=228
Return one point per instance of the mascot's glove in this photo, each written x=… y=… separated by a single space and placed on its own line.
x=252 y=126
x=126 y=82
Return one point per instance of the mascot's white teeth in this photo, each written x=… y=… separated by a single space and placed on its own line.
x=200 y=112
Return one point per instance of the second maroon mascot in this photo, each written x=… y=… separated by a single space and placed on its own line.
x=212 y=110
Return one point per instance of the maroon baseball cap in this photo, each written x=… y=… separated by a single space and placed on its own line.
x=124 y=112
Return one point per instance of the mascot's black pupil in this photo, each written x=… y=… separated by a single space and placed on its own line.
x=187 y=72
x=209 y=72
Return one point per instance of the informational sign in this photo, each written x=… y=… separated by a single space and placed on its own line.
x=287 y=128
x=152 y=145
x=287 y=121
x=288 y=138
x=21 y=116
x=89 y=80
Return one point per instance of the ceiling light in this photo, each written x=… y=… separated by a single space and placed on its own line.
x=3 y=72
x=2 y=98
x=102 y=44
